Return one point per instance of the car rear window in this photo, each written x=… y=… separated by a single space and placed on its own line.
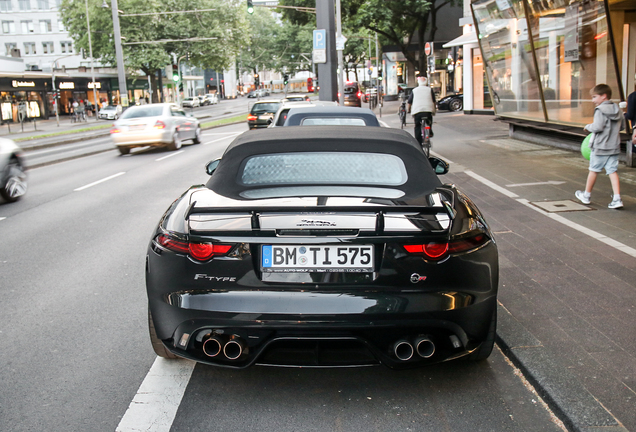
x=344 y=168
x=147 y=111
x=333 y=121
x=350 y=89
x=265 y=107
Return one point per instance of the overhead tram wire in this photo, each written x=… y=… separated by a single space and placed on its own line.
x=196 y=39
x=169 y=12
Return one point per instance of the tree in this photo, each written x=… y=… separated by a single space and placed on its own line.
x=400 y=22
x=227 y=23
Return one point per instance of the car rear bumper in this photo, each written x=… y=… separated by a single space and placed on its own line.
x=143 y=137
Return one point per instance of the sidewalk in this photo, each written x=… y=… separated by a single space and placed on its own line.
x=567 y=315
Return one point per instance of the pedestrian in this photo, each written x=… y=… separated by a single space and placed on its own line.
x=630 y=115
x=422 y=105
x=605 y=144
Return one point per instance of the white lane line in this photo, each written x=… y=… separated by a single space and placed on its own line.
x=224 y=138
x=170 y=155
x=594 y=234
x=98 y=182
x=492 y=185
x=550 y=182
x=155 y=405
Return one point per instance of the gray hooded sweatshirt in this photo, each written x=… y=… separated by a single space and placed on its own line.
x=608 y=122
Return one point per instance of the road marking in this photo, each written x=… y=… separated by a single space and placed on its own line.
x=224 y=138
x=155 y=405
x=170 y=155
x=550 y=182
x=2 y=218
x=492 y=185
x=595 y=235
x=98 y=182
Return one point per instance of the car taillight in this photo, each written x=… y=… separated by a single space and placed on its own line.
x=115 y=130
x=437 y=251
x=159 y=125
x=251 y=117
x=359 y=94
x=198 y=251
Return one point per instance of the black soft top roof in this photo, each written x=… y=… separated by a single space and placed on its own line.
x=297 y=114
x=421 y=177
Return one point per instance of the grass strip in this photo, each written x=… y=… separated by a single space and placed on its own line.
x=66 y=132
x=220 y=122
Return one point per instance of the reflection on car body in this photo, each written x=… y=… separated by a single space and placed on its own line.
x=163 y=125
x=13 y=178
x=319 y=247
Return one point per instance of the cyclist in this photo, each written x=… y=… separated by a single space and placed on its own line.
x=81 y=111
x=422 y=106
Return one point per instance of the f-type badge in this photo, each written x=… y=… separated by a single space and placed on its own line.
x=415 y=278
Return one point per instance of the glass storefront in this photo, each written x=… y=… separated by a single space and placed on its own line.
x=542 y=58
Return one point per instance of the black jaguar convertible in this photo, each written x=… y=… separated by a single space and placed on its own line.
x=323 y=247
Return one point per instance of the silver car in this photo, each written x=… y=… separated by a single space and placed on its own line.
x=156 y=125
x=191 y=102
x=13 y=178
x=110 y=112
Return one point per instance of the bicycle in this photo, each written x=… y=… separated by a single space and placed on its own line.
x=402 y=114
x=426 y=137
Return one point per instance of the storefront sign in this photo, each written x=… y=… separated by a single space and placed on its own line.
x=571 y=40
x=16 y=83
x=67 y=85
x=96 y=85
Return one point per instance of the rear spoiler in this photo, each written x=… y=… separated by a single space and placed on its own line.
x=380 y=211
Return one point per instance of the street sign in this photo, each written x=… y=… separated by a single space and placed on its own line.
x=320 y=56
x=428 y=48
x=320 y=39
x=340 y=43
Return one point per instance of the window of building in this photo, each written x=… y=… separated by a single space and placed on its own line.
x=45 y=26
x=8 y=27
x=60 y=26
x=29 y=48
x=47 y=48
x=27 y=26
x=24 y=4
x=9 y=47
x=67 y=47
x=43 y=4
x=5 y=6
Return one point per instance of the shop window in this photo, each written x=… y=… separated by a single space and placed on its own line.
x=10 y=46
x=27 y=26
x=5 y=6
x=8 y=27
x=24 y=5
x=29 y=48
x=67 y=47
x=45 y=26
x=47 y=48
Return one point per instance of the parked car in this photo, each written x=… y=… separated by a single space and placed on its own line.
x=190 y=102
x=331 y=116
x=369 y=93
x=211 y=99
x=451 y=102
x=262 y=113
x=323 y=247
x=253 y=94
x=156 y=125
x=352 y=94
x=110 y=112
x=13 y=177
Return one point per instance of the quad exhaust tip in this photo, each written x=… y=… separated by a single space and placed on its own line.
x=424 y=346
x=403 y=350
x=234 y=349
x=219 y=346
x=212 y=346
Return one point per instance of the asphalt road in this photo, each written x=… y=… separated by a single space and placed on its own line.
x=74 y=337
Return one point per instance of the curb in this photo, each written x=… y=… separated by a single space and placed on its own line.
x=564 y=394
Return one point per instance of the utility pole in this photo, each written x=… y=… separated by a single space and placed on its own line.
x=327 y=71
x=340 y=59
x=119 y=54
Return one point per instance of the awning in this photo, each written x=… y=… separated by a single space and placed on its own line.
x=467 y=38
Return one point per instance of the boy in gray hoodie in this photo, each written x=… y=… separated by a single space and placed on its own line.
x=605 y=144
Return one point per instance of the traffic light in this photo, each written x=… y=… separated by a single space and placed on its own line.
x=175 y=73
x=250 y=7
x=285 y=79
x=257 y=80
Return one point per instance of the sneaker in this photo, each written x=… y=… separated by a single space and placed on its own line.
x=580 y=195
x=616 y=204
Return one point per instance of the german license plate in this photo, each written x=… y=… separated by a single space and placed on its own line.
x=137 y=127
x=265 y=117
x=309 y=258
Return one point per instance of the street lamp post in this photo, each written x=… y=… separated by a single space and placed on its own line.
x=119 y=54
x=57 y=100
x=90 y=48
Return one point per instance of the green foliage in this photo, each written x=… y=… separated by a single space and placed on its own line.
x=227 y=23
